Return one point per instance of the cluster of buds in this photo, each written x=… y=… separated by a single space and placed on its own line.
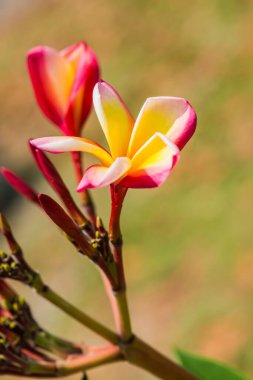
x=25 y=347
x=92 y=243
x=9 y=267
x=89 y=239
x=15 y=315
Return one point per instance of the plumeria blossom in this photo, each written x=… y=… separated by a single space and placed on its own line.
x=63 y=83
x=142 y=152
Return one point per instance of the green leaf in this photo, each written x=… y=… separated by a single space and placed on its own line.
x=206 y=369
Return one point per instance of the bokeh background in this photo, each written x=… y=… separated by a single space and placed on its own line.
x=189 y=244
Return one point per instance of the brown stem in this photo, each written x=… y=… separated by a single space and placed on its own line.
x=86 y=198
x=142 y=355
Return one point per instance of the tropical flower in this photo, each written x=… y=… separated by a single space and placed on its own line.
x=63 y=83
x=141 y=153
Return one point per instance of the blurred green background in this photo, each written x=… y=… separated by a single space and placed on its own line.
x=188 y=244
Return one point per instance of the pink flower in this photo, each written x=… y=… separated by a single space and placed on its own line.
x=143 y=152
x=63 y=83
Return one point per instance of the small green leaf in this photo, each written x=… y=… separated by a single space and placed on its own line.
x=206 y=369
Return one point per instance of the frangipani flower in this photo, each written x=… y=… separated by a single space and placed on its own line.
x=63 y=83
x=142 y=152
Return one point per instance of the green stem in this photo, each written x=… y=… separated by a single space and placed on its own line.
x=122 y=316
x=72 y=311
x=120 y=311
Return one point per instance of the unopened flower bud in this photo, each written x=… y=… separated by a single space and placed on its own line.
x=19 y=185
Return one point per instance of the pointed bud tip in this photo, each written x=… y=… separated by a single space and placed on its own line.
x=99 y=222
x=6 y=173
x=51 y=207
x=19 y=184
x=4 y=225
x=43 y=198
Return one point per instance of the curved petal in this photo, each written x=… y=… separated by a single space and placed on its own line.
x=62 y=144
x=82 y=58
x=99 y=176
x=170 y=116
x=86 y=67
x=74 y=53
x=52 y=77
x=115 y=119
x=152 y=164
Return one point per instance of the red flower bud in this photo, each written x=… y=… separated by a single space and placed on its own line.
x=63 y=83
x=19 y=185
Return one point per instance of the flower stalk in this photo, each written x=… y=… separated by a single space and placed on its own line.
x=118 y=297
